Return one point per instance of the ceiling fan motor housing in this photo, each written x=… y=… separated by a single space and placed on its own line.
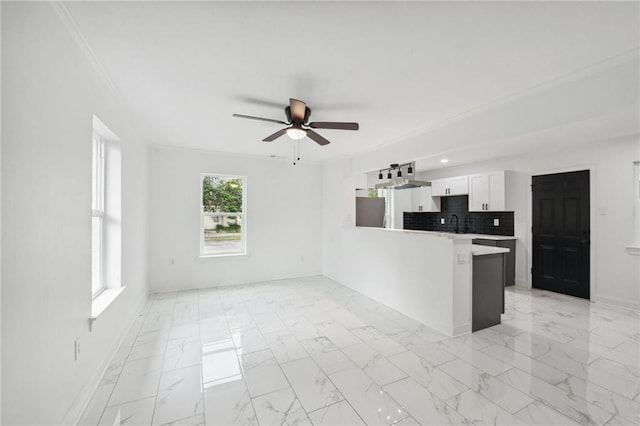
x=307 y=114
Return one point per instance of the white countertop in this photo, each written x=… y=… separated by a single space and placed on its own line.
x=479 y=250
x=491 y=237
x=451 y=235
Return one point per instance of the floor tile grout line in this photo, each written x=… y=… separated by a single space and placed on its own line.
x=204 y=414
x=164 y=355
x=535 y=398
x=126 y=358
x=340 y=349
x=320 y=368
x=282 y=371
x=548 y=406
x=327 y=376
x=238 y=358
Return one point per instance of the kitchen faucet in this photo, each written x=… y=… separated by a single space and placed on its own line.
x=451 y=220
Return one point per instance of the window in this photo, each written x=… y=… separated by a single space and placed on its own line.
x=222 y=215
x=97 y=217
x=106 y=218
x=635 y=246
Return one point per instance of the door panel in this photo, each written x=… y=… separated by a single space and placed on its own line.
x=571 y=217
x=547 y=266
x=496 y=192
x=546 y=215
x=478 y=188
x=438 y=188
x=561 y=233
x=459 y=185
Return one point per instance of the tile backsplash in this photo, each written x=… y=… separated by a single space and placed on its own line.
x=468 y=222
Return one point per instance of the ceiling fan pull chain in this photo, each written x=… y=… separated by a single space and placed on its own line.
x=298 y=149
x=294 y=154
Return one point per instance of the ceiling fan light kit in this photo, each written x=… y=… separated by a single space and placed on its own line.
x=298 y=114
x=296 y=133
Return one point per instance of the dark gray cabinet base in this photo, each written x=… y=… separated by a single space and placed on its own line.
x=488 y=290
x=510 y=258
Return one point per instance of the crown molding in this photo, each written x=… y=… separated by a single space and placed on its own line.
x=72 y=27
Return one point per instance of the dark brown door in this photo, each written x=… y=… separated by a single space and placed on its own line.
x=561 y=233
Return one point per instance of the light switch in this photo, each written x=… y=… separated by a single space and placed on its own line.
x=461 y=259
x=442 y=221
x=496 y=222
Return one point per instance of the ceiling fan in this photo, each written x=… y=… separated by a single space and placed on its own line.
x=298 y=121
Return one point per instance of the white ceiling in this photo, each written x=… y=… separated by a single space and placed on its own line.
x=400 y=69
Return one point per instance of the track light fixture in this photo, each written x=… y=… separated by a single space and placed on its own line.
x=398 y=167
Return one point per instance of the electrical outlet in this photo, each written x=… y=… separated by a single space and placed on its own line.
x=76 y=349
x=496 y=222
x=442 y=221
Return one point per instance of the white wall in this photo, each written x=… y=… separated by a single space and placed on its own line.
x=615 y=274
x=50 y=93
x=283 y=220
x=0 y=221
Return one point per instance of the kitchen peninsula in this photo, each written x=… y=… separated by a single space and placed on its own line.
x=425 y=275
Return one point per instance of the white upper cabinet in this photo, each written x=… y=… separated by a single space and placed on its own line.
x=450 y=186
x=422 y=201
x=487 y=192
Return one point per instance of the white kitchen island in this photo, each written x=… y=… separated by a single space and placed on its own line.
x=424 y=275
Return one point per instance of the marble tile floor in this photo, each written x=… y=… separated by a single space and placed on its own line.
x=312 y=351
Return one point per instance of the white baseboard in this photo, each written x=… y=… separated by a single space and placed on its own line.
x=616 y=302
x=74 y=414
x=461 y=329
x=523 y=284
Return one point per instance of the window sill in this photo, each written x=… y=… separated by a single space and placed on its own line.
x=632 y=250
x=214 y=256
x=102 y=302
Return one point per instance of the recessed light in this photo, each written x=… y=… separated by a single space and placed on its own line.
x=444 y=160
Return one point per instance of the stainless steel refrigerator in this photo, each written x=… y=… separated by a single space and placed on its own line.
x=370 y=212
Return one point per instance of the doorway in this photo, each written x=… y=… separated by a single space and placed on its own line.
x=561 y=233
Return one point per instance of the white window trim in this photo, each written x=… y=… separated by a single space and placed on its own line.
x=97 y=209
x=243 y=234
x=634 y=247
